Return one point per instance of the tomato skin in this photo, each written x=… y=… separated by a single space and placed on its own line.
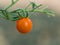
x=24 y=25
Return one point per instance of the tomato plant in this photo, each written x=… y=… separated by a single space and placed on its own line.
x=21 y=16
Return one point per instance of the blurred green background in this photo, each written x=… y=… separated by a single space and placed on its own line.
x=45 y=31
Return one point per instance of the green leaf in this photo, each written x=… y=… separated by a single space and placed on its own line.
x=26 y=13
x=14 y=18
x=17 y=10
x=20 y=11
x=33 y=5
x=12 y=1
x=4 y=14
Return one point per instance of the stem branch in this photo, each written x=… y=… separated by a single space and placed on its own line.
x=12 y=4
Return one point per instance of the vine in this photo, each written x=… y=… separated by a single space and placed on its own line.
x=22 y=12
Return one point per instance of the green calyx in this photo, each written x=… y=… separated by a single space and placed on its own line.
x=22 y=13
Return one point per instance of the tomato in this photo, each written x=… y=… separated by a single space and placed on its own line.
x=24 y=25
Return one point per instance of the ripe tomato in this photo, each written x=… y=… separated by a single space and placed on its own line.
x=24 y=25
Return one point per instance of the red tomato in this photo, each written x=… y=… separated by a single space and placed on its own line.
x=24 y=25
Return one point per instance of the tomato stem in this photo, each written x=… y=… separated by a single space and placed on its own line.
x=20 y=15
x=13 y=2
x=23 y=12
x=36 y=7
x=27 y=6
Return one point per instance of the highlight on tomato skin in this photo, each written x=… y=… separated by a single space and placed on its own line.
x=24 y=25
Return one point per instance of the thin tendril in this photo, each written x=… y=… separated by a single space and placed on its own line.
x=27 y=6
x=12 y=4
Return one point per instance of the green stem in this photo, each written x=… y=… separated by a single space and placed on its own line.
x=5 y=13
x=40 y=10
x=11 y=4
x=27 y=6
x=35 y=11
x=12 y=1
x=36 y=7
x=20 y=15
